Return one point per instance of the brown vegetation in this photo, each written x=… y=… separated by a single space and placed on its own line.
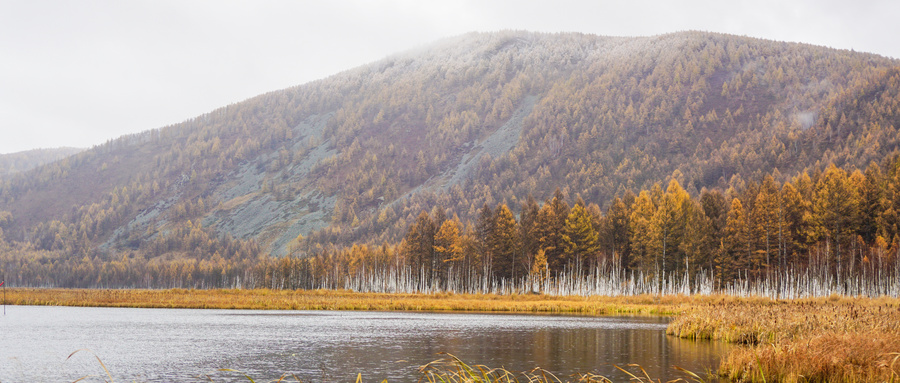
x=831 y=339
x=346 y=300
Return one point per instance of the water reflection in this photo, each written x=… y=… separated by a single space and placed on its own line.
x=183 y=345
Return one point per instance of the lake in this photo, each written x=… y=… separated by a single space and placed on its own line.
x=165 y=345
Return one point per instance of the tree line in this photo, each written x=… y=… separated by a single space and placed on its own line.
x=834 y=224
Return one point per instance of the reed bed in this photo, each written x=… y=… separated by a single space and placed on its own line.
x=834 y=339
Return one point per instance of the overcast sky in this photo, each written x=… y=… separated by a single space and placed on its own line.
x=77 y=73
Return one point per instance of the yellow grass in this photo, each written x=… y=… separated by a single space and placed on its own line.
x=346 y=300
x=833 y=339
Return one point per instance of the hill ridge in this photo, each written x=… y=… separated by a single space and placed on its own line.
x=355 y=156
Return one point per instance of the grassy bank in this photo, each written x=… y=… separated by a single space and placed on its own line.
x=833 y=339
x=345 y=300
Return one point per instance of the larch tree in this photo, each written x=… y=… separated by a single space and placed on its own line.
x=642 y=213
x=766 y=211
x=448 y=248
x=504 y=244
x=581 y=241
x=528 y=233
x=736 y=242
x=420 y=246
x=615 y=232
x=835 y=212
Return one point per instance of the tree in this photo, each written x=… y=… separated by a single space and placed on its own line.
x=736 y=243
x=668 y=225
x=528 y=233
x=448 y=248
x=484 y=228
x=715 y=209
x=836 y=212
x=580 y=238
x=792 y=226
x=539 y=269
x=642 y=213
x=615 y=232
x=420 y=246
x=552 y=221
x=504 y=244
x=765 y=219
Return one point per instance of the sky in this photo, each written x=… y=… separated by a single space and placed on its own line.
x=78 y=73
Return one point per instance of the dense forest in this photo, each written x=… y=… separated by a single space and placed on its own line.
x=547 y=157
x=22 y=161
x=825 y=232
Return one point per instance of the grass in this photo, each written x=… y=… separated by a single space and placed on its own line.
x=832 y=339
x=346 y=300
x=453 y=370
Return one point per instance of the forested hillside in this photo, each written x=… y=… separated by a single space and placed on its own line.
x=19 y=162
x=460 y=129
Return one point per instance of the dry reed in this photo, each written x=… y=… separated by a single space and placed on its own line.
x=834 y=339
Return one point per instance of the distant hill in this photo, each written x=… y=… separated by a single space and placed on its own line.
x=479 y=118
x=21 y=161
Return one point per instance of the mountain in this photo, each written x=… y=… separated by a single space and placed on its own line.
x=19 y=162
x=476 y=119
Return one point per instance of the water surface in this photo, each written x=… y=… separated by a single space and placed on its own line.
x=165 y=345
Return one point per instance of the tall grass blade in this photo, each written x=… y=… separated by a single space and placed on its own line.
x=111 y=380
x=633 y=377
x=696 y=377
x=245 y=375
